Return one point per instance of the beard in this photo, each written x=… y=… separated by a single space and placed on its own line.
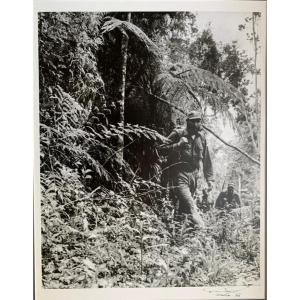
x=192 y=128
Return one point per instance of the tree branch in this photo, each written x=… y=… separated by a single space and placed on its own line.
x=178 y=74
x=231 y=146
x=206 y=128
x=167 y=102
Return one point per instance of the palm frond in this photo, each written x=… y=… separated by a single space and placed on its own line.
x=187 y=84
x=200 y=78
x=139 y=36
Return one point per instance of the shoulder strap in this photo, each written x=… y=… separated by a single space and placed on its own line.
x=201 y=135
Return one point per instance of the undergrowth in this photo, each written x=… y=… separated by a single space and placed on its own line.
x=107 y=239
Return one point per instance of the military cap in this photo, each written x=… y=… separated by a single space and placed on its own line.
x=194 y=115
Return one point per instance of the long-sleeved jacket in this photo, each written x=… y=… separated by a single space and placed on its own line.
x=189 y=155
x=228 y=201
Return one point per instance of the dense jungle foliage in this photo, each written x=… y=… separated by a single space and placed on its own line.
x=106 y=219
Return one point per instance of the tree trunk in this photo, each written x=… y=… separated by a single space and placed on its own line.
x=255 y=60
x=255 y=73
x=122 y=86
x=249 y=125
x=240 y=188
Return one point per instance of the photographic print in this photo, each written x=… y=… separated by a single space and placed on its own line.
x=151 y=150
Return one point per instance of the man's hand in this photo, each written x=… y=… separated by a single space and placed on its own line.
x=183 y=141
x=209 y=186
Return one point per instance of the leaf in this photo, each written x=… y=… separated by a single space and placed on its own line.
x=90 y=265
x=162 y=263
x=150 y=237
x=197 y=85
x=58 y=248
x=102 y=268
x=103 y=283
x=138 y=35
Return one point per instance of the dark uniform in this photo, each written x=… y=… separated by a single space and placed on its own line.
x=228 y=201
x=185 y=163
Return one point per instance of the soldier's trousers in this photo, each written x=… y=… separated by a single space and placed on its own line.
x=186 y=184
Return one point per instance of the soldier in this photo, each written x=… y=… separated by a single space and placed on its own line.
x=228 y=200
x=188 y=159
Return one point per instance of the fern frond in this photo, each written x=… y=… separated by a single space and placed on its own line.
x=139 y=36
x=187 y=84
x=200 y=78
x=80 y=154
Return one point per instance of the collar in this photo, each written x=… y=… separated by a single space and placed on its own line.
x=186 y=133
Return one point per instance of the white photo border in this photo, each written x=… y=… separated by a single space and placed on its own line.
x=228 y=292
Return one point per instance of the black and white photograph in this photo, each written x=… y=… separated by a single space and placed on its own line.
x=151 y=142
